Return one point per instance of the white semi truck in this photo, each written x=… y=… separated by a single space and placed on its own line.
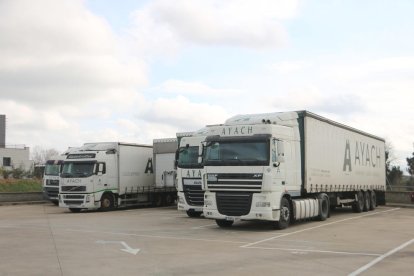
x=51 y=176
x=109 y=175
x=51 y=179
x=289 y=166
x=189 y=171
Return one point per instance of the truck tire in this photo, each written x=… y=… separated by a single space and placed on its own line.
x=373 y=200
x=55 y=202
x=323 y=200
x=193 y=214
x=75 y=210
x=107 y=202
x=224 y=223
x=358 y=205
x=367 y=201
x=158 y=200
x=169 y=200
x=285 y=214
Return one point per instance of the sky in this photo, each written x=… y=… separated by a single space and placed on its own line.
x=76 y=71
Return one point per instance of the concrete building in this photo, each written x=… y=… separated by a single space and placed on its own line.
x=13 y=157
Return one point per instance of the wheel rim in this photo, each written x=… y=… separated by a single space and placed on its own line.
x=285 y=214
x=106 y=202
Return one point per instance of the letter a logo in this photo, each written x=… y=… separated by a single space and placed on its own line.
x=347 y=159
x=149 y=169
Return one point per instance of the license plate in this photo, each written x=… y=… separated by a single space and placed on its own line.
x=230 y=218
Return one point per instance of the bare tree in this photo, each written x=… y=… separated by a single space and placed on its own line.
x=41 y=155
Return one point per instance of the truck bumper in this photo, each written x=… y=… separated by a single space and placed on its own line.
x=264 y=206
x=182 y=204
x=81 y=201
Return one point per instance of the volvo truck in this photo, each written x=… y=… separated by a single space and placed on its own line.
x=109 y=175
x=288 y=166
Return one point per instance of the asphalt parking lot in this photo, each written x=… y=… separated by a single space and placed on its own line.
x=44 y=239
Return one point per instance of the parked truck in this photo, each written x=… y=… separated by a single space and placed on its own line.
x=189 y=170
x=288 y=166
x=110 y=175
x=51 y=176
x=51 y=179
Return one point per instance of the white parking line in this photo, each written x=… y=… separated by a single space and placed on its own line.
x=151 y=236
x=202 y=226
x=314 y=251
x=380 y=258
x=315 y=227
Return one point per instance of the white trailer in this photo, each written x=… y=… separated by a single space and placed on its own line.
x=109 y=175
x=289 y=166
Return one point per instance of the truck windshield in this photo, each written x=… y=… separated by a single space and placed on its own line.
x=52 y=169
x=77 y=169
x=188 y=157
x=237 y=153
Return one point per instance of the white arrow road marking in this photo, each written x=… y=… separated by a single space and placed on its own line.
x=127 y=248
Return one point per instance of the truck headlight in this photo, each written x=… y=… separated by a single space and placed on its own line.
x=262 y=204
x=208 y=202
x=180 y=200
x=87 y=198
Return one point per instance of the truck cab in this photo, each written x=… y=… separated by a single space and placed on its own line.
x=248 y=170
x=189 y=171
x=86 y=176
x=51 y=179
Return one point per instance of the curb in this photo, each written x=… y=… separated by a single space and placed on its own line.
x=402 y=205
x=6 y=203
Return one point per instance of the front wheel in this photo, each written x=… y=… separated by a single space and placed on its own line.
x=285 y=214
x=107 y=202
x=224 y=223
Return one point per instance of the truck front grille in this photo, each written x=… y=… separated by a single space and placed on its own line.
x=235 y=182
x=52 y=192
x=73 y=188
x=73 y=200
x=194 y=195
x=234 y=204
x=52 y=182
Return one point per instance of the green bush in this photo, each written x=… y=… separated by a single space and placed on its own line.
x=20 y=185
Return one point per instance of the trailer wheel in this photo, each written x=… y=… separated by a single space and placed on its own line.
x=193 y=214
x=75 y=210
x=158 y=200
x=224 y=223
x=323 y=200
x=169 y=199
x=367 y=201
x=358 y=205
x=285 y=214
x=107 y=202
x=373 y=201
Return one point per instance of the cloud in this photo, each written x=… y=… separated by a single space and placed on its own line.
x=57 y=52
x=181 y=87
x=239 y=23
x=184 y=114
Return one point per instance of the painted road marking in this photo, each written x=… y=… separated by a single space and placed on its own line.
x=298 y=251
x=315 y=227
x=127 y=248
x=380 y=258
